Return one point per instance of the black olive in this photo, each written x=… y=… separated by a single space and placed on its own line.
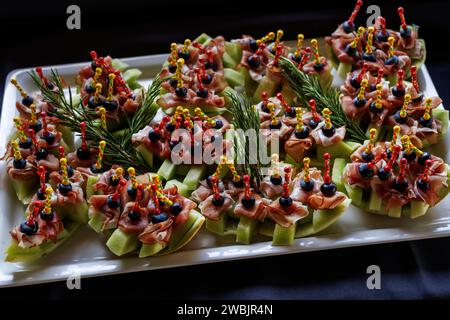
x=348 y=26
x=307 y=185
x=176 y=208
x=329 y=132
x=19 y=164
x=157 y=218
x=303 y=133
x=219 y=201
x=29 y=229
x=41 y=154
x=110 y=105
x=113 y=204
x=328 y=189
x=64 y=188
x=285 y=201
x=276 y=180
x=248 y=202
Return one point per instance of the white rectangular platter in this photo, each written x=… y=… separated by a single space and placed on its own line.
x=86 y=253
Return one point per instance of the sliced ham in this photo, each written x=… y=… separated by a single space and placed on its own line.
x=209 y=210
x=286 y=216
x=257 y=212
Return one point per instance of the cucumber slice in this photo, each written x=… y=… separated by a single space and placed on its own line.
x=234 y=78
x=25 y=189
x=90 y=187
x=131 y=75
x=119 y=65
x=219 y=226
x=338 y=150
x=283 y=236
x=234 y=50
x=182 y=234
x=14 y=253
x=228 y=61
x=356 y=194
x=182 y=188
x=96 y=220
x=245 y=230
x=76 y=212
x=441 y=114
x=418 y=208
x=146 y=154
x=148 y=250
x=395 y=212
x=121 y=243
x=167 y=170
x=343 y=69
x=338 y=169
x=266 y=84
x=203 y=38
x=376 y=203
x=193 y=177
x=322 y=219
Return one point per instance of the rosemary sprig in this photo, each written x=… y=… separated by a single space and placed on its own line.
x=307 y=87
x=118 y=150
x=245 y=117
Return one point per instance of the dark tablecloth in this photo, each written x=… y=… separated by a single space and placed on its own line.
x=418 y=269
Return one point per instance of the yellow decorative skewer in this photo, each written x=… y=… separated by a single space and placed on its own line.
x=391 y=41
x=186 y=45
x=132 y=174
x=274 y=120
x=19 y=88
x=102 y=112
x=395 y=133
x=409 y=147
x=64 y=174
x=111 y=78
x=97 y=75
x=48 y=200
x=362 y=89
x=268 y=37
x=355 y=41
x=326 y=113
x=315 y=49
x=370 y=144
x=117 y=174
x=22 y=136
x=16 y=151
x=275 y=161
x=280 y=34
x=406 y=101
x=427 y=114
x=369 y=49
x=220 y=165
x=33 y=116
x=98 y=91
x=178 y=73
x=300 y=38
x=306 y=176
x=236 y=176
x=378 y=103
x=101 y=150
x=173 y=53
x=299 y=117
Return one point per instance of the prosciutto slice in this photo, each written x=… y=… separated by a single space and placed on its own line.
x=351 y=110
x=296 y=147
x=204 y=191
x=269 y=189
x=325 y=141
x=27 y=173
x=186 y=204
x=209 y=210
x=99 y=206
x=157 y=233
x=257 y=212
x=320 y=201
x=298 y=194
x=76 y=162
x=131 y=226
x=353 y=177
x=286 y=216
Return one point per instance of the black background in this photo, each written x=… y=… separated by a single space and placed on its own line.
x=35 y=33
